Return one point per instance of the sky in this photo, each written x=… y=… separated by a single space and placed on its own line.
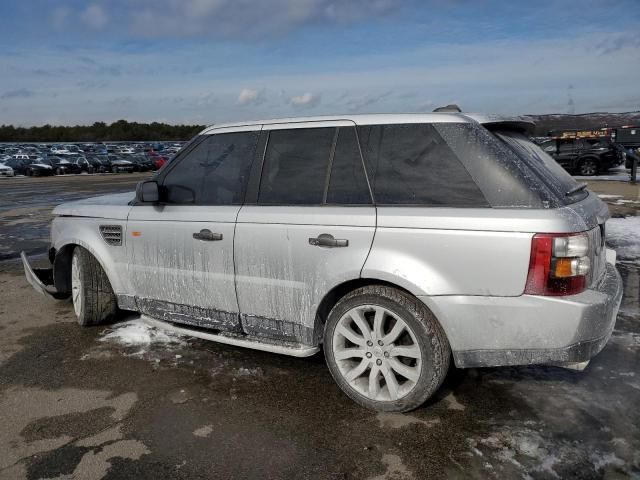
x=207 y=61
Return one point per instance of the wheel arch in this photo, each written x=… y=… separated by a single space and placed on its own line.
x=62 y=265
x=595 y=158
x=337 y=292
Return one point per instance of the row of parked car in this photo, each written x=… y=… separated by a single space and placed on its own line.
x=43 y=159
x=582 y=156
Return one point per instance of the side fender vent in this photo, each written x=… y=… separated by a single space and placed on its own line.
x=112 y=234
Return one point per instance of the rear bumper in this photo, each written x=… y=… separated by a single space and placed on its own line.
x=527 y=330
x=41 y=279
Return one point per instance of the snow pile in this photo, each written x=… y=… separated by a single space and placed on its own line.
x=623 y=235
x=526 y=453
x=136 y=333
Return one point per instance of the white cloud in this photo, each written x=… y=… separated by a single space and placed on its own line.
x=249 y=19
x=94 y=17
x=305 y=100
x=251 y=97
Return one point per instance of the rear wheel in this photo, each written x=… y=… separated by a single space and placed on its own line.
x=588 y=167
x=385 y=349
x=93 y=299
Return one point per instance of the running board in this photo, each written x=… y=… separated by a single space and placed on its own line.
x=256 y=343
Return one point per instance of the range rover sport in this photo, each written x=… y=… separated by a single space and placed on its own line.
x=397 y=243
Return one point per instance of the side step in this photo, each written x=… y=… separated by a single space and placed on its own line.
x=263 y=344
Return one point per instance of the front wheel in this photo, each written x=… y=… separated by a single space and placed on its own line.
x=93 y=299
x=588 y=167
x=385 y=349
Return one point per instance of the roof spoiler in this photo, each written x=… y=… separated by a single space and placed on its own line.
x=520 y=122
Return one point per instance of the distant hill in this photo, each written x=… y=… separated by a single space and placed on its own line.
x=586 y=121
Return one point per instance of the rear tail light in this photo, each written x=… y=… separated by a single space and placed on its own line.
x=559 y=264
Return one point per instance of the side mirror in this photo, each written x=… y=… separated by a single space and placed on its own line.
x=148 y=192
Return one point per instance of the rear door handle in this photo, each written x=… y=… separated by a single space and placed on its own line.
x=326 y=240
x=207 y=235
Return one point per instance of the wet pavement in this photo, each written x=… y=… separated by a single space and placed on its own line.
x=128 y=401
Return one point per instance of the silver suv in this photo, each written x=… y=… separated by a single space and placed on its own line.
x=398 y=243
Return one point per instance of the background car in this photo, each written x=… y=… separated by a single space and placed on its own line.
x=28 y=167
x=60 y=165
x=80 y=164
x=6 y=171
x=142 y=162
x=99 y=163
x=585 y=156
x=118 y=164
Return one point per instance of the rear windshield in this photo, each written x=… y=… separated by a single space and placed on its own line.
x=546 y=168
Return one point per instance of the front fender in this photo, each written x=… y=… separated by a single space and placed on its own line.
x=68 y=232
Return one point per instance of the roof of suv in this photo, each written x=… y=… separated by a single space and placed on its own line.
x=377 y=119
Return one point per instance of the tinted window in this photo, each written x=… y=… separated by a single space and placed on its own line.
x=549 y=147
x=566 y=147
x=413 y=165
x=547 y=169
x=214 y=172
x=347 y=184
x=295 y=166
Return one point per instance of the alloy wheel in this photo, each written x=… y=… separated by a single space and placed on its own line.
x=377 y=353
x=588 y=168
x=76 y=285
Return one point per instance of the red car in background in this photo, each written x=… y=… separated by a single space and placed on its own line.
x=159 y=160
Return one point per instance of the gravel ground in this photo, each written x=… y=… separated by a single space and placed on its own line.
x=129 y=401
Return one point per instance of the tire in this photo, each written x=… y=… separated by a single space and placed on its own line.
x=93 y=299
x=29 y=173
x=58 y=171
x=114 y=170
x=425 y=350
x=588 y=167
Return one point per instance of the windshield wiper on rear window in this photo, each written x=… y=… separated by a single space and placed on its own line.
x=577 y=189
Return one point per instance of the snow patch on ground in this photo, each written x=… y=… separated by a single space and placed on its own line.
x=527 y=452
x=601 y=461
x=608 y=197
x=136 y=333
x=623 y=235
x=204 y=431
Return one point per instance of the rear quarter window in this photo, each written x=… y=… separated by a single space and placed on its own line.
x=414 y=165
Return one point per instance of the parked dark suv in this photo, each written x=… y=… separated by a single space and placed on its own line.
x=585 y=156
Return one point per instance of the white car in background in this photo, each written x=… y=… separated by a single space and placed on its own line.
x=6 y=171
x=60 y=150
x=73 y=148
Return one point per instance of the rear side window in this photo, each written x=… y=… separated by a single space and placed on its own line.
x=214 y=172
x=295 y=166
x=413 y=165
x=347 y=183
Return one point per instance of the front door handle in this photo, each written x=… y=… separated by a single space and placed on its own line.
x=326 y=240
x=207 y=235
